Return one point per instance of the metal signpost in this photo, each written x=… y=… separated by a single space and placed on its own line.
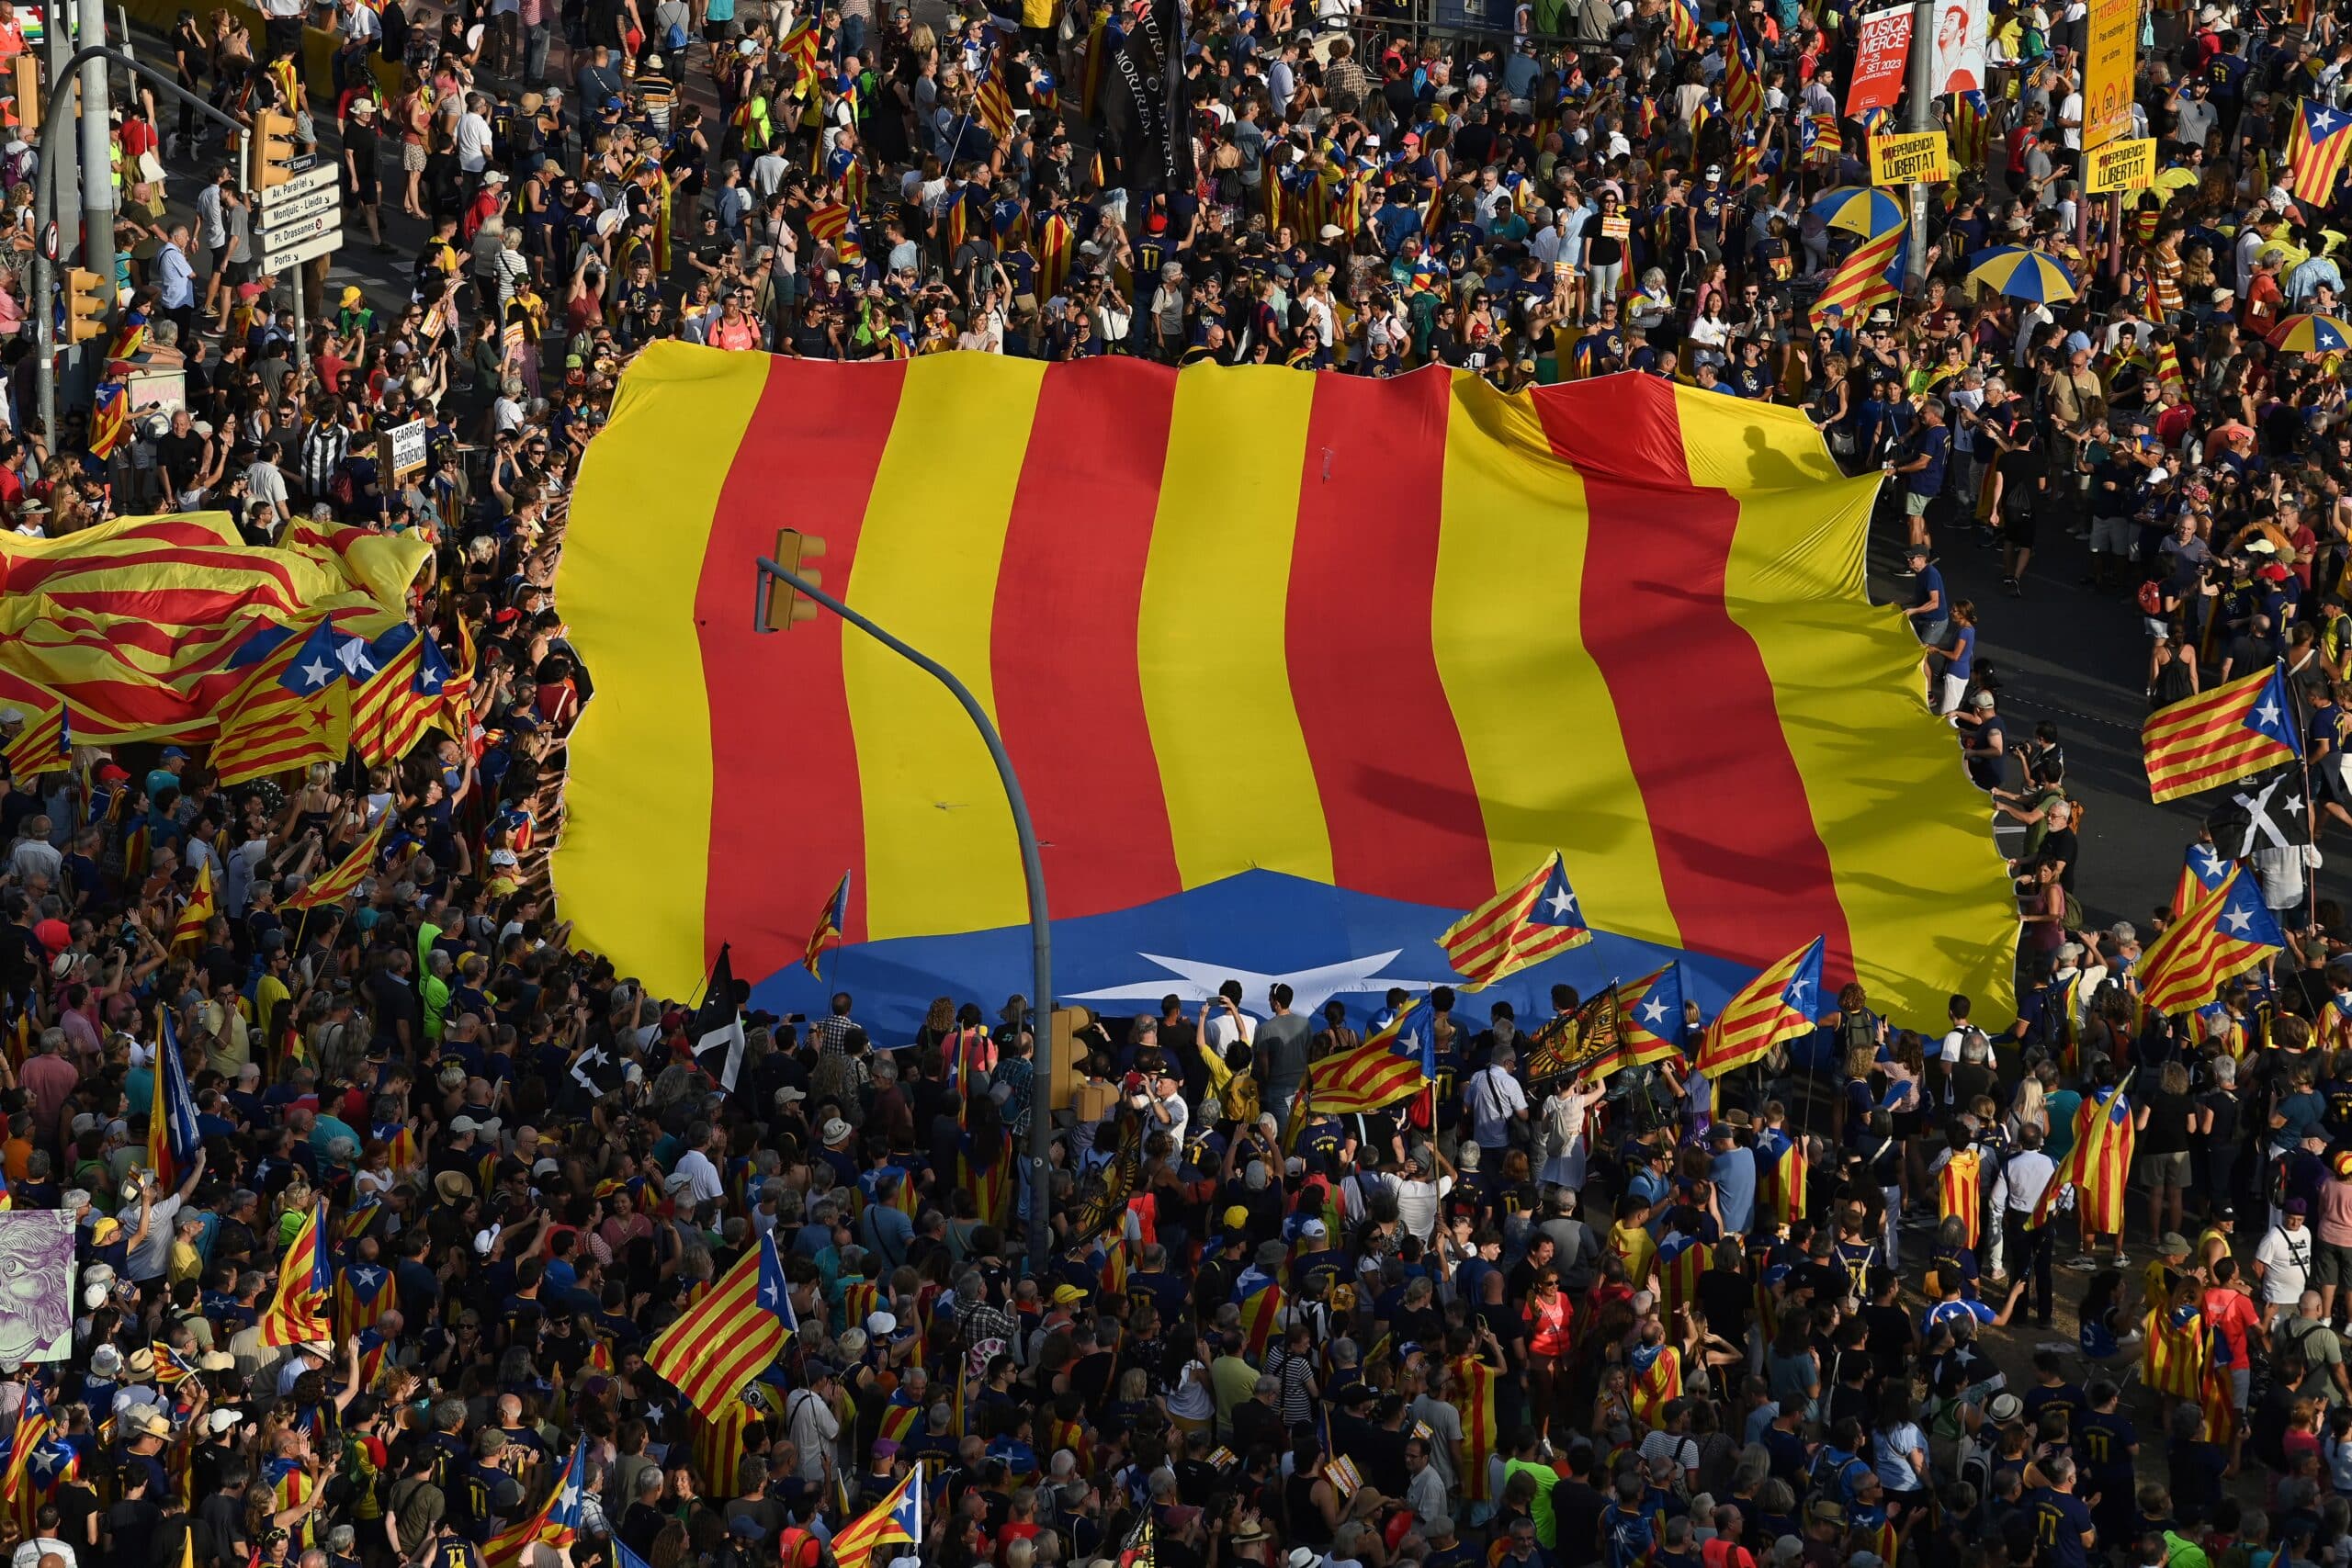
x=298 y=220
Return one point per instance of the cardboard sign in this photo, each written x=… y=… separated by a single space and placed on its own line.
x=1617 y=226
x=1916 y=155
x=2121 y=165
x=2112 y=57
x=1881 y=50
x=401 y=450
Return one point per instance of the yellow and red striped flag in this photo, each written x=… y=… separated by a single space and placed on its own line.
x=1657 y=1378
x=2316 y=144
x=728 y=1337
x=1735 y=660
x=720 y=1443
x=2173 y=1359
x=1681 y=1261
x=45 y=745
x=556 y=1523
x=2218 y=938
x=2097 y=1164
x=292 y=708
x=995 y=104
x=1477 y=1401
x=297 y=1311
x=801 y=45
x=1535 y=918
x=1865 y=279
x=2239 y=728
x=1690 y=32
x=1380 y=1072
x=348 y=874
x=393 y=707
x=1259 y=1308
x=1784 y=1158
x=196 y=914
x=1743 y=90
x=1778 y=1004
x=897 y=1520
x=1957 y=1195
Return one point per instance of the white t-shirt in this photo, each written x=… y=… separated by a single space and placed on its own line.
x=1495 y=1098
x=2286 y=1263
x=152 y=1254
x=702 y=1176
x=2070 y=107
x=473 y=143
x=1417 y=1203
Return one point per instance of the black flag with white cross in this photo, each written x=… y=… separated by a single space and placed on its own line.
x=2268 y=811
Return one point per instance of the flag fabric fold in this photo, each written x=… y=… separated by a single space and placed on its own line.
x=897 y=1520
x=1380 y=1072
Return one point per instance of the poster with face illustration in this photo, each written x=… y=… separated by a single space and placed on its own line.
x=1958 y=63
x=35 y=1286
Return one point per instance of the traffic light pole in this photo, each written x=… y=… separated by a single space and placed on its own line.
x=97 y=152
x=48 y=239
x=1033 y=873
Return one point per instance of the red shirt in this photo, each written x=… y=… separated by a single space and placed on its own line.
x=2230 y=1314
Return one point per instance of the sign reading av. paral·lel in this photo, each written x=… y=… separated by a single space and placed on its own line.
x=301 y=219
x=1917 y=155
x=2121 y=165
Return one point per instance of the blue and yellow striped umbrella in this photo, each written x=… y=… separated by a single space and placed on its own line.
x=2022 y=273
x=1864 y=209
x=2311 y=334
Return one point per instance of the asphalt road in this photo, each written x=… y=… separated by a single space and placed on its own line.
x=2077 y=657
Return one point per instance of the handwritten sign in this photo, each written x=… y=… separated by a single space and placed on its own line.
x=1918 y=155
x=2121 y=165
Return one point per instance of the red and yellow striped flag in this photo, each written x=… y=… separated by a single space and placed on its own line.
x=1535 y=918
x=1681 y=1261
x=196 y=914
x=1957 y=1195
x=2097 y=1164
x=720 y=1444
x=897 y=1520
x=348 y=873
x=728 y=1337
x=2216 y=939
x=1657 y=1377
x=1259 y=1308
x=1380 y=1072
x=1780 y=1004
x=1862 y=280
x=1477 y=1400
x=2173 y=1359
x=1561 y=661
x=45 y=745
x=2239 y=727
x=297 y=1311
x=1789 y=1168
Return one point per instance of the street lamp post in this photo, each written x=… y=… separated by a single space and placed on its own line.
x=1033 y=873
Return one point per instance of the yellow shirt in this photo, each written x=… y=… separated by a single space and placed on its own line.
x=1638 y=1248
x=186 y=1262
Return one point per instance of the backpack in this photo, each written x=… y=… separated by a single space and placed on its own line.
x=674 y=41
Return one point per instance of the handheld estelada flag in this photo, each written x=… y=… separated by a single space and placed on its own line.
x=830 y=925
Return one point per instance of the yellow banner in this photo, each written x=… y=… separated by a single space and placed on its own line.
x=2121 y=165
x=1915 y=155
x=2110 y=58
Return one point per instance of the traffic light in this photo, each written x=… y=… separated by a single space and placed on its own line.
x=270 y=150
x=86 y=305
x=785 y=606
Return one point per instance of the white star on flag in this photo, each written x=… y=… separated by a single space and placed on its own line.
x=2237 y=920
x=2268 y=713
x=314 y=673
x=1561 y=903
x=1653 y=1011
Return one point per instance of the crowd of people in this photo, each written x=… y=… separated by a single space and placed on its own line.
x=1530 y=1318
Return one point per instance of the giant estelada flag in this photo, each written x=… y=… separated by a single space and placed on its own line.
x=1296 y=669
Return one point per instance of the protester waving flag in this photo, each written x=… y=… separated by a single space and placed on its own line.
x=298 y=1312
x=2223 y=935
x=728 y=1337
